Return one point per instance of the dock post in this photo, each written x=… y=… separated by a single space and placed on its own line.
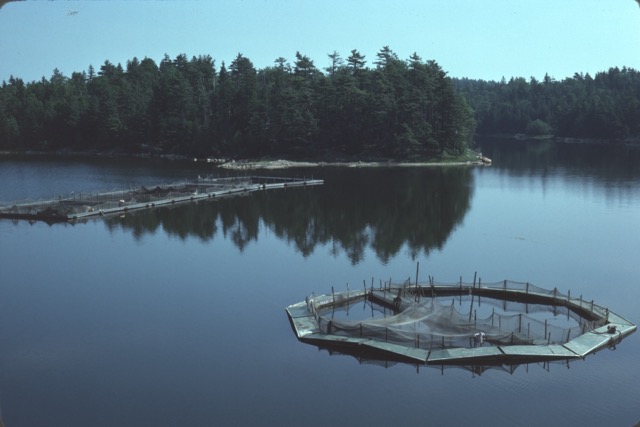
x=333 y=294
x=472 y=295
x=520 y=322
x=545 y=327
x=504 y=303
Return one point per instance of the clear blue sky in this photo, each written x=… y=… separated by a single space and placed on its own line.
x=468 y=38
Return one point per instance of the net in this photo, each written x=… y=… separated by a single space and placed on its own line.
x=418 y=317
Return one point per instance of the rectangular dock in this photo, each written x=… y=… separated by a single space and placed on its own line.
x=81 y=206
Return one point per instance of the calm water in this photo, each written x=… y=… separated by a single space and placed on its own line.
x=176 y=316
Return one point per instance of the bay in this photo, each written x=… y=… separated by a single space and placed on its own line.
x=176 y=316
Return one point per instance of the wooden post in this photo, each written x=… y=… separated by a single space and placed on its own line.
x=433 y=290
x=416 y=296
x=545 y=327
x=504 y=302
x=472 y=295
x=520 y=323
x=333 y=294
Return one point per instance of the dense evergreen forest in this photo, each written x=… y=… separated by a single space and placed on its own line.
x=397 y=109
x=606 y=106
x=394 y=109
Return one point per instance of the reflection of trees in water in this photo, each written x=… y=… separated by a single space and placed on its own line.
x=606 y=163
x=356 y=209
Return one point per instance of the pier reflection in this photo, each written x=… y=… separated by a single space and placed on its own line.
x=416 y=208
x=371 y=357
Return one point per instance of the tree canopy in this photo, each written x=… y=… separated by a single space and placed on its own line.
x=606 y=106
x=397 y=109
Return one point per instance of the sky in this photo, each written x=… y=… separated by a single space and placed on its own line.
x=484 y=40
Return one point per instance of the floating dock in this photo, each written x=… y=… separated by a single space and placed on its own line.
x=313 y=322
x=80 y=206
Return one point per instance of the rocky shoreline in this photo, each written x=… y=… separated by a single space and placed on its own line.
x=474 y=160
x=286 y=164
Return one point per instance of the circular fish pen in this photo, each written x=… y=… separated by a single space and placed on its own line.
x=502 y=323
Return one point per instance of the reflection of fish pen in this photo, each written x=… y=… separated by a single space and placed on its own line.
x=478 y=324
x=79 y=206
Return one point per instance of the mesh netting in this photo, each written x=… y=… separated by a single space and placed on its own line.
x=444 y=322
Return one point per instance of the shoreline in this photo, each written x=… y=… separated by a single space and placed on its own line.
x=470 y=159
x=286 y=164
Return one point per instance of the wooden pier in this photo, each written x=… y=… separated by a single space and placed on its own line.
x=76 y=207
x=605 y=328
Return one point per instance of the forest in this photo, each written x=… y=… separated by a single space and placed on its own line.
x=393 y=109
x=604 y=107
x=396 y=109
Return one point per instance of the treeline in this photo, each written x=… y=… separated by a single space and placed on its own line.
x=606 y=106
x=397 y=108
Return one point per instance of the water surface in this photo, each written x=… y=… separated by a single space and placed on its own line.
x=176 y=316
